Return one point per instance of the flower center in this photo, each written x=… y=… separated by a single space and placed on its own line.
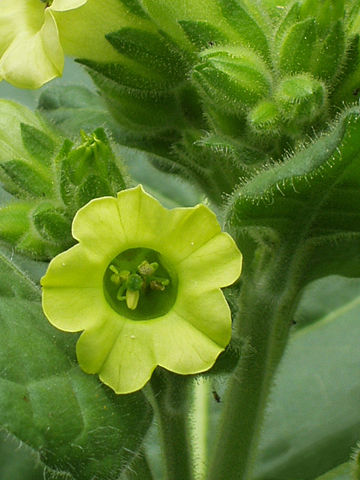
x=140 y=284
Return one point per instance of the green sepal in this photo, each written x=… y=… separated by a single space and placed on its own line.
x=202 y=34
x=40 y=146
x=24 y=179
x=93 y=186
x=147 y=117
x=329 y=53
x=297 y=47
x=246 y=27
x=134 y=6
x=308 y=204
x=325 y=12
x=301 y=98
x=139 y=82
x=14 y=220
x=88 y=171
x=50 y=181
x=292 y=17
x=52 y=224
x=32 y=245
x=265 y=117
x=347 y=86
x=232 y=79
x=35 y=230
x=157 y=54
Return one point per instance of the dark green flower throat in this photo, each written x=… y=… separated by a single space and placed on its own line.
x=140 y=284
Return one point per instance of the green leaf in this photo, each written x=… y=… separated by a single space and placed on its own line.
x=309 y=204
x=76 y=425
x=313 y=424
x=343 y=472
x=17 y=461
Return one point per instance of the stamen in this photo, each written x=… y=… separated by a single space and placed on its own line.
x=131 y=285
x=132 y=298
x=146 y=269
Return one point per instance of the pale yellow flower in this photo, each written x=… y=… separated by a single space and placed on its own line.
x=30 y=50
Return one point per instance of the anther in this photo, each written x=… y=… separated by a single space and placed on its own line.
x=146 y=269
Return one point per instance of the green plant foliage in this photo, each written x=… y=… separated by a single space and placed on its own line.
x=18 y=461
x=73 y=108
x=256 y=103
x=307 y=202
x=47 y=403
x=264 y=77
x=50 y=178
x=305 y=432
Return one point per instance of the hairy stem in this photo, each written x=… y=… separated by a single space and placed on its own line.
x=139 y=468
x=267 y=303
x=199 y=426
x=171 y=402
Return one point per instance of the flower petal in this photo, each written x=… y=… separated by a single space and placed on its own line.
x=216 y=264
x=73 y=297
x=119 y=352
x=74 y=309
x=64 y=5
x=98 y=228
x=32 y=59
x=75 y=267
x=192 y=228
x=182 y=348
x=209 y=313
x=143 y=218
x=176 y=233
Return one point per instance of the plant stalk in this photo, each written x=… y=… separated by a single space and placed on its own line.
x=171 y=404
x=267 y=304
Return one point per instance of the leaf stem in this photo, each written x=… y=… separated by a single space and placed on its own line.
x=170 y=403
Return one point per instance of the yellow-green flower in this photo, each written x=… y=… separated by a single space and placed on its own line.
x=30 y=49
x=144 y=284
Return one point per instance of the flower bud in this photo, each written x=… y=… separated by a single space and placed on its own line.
x=265 y=117
x=301 y=98
x=232 y=79
x=50 y=180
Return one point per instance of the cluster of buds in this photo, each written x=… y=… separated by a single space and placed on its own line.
x=49 y=178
